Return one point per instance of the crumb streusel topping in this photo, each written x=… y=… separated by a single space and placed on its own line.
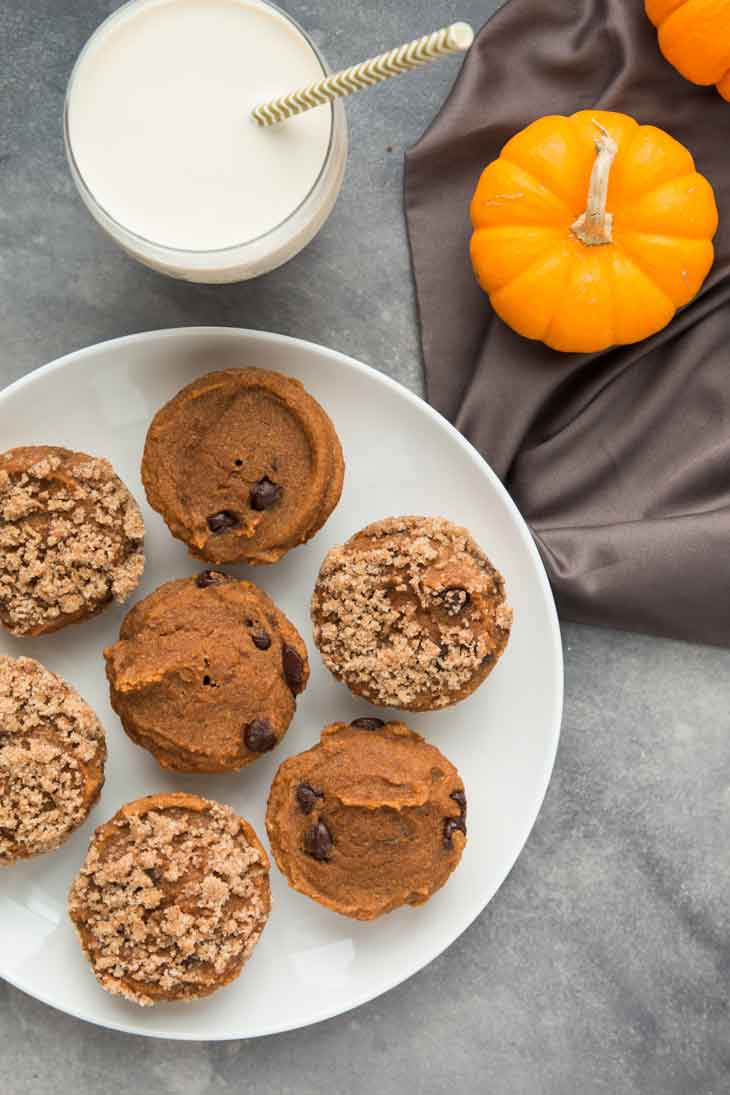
x=410 y=612
x=171 y=898
x=71 y=538
x=52 y=753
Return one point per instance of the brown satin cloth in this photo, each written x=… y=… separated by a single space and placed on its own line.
x=619 y=461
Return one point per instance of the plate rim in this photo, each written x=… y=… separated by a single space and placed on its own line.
x=554 y=718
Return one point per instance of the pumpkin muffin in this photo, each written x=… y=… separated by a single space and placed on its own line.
x=206 y=672
x=171 y=899
x=410 y=613
x=52 y=754
x=71 y=538
x=370 y=819
x=243 y=465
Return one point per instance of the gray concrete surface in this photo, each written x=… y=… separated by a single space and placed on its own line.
x=602 y=965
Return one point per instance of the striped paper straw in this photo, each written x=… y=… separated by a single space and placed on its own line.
x=454 y=39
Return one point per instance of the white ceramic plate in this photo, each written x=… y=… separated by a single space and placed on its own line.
x=402 y=457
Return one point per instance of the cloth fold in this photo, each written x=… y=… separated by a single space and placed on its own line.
x=619 y=461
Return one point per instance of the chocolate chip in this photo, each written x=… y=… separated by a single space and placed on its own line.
x=221 y=522
x=318 y=841
x=264 y=494
x=367 y=723
x=261 y=640
x=460 y=798
x=451 y=824
x=207 y=680
x=153 y=874
x=259 y=736
x=307 y=796
x=210 y=578
x=454 y=599
x=293 y=668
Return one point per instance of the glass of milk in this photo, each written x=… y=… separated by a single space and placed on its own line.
x=165 y=154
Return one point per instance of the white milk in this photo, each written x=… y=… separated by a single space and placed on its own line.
x=164 y=150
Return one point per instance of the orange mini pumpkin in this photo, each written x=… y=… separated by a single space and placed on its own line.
x=694 y=36
x=591 y=230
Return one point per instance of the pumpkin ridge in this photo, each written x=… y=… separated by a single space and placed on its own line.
x=612 y=294
x=497 y=230
x=687 y=5
x=512 y=225
x=628 y=210
x=693 y=8
x=541 y=258
x=629 y=258
x=630 y=239
x=504 y=185
x=544 y=149
x=495 y=297
x=649 y=193
x=545 y=336
x=621 y=234
x=678 y=16
x=625 y=154
x=538 y=259
x=534 y=179
x=667 y=7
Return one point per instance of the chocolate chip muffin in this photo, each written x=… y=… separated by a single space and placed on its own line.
x=243 y=465
x=171 y=899
x=52 y=754
x=410 y=613
x=71 y=538
x=370 y=819
x=206 y=673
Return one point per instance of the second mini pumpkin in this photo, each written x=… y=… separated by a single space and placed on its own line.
x=694 y=36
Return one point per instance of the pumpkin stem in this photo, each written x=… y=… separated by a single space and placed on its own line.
x=594 y=226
